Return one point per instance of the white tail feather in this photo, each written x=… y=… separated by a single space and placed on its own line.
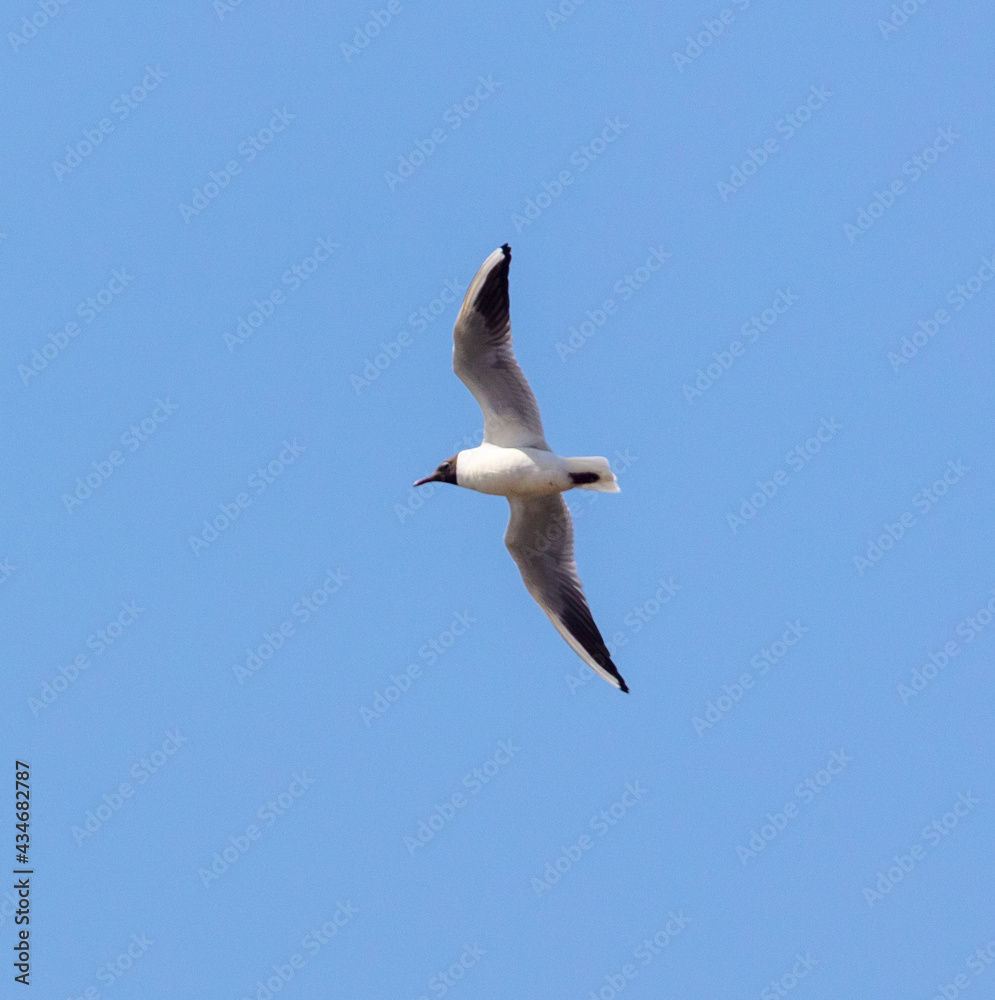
x=606 y=481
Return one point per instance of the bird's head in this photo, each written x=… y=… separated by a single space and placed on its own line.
x=445 y=473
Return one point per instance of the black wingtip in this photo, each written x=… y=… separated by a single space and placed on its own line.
x=492 y=299
x=623 y=686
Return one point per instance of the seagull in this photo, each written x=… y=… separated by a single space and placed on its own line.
x=514 y=461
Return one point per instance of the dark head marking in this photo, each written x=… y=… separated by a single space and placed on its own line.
x=445 y=473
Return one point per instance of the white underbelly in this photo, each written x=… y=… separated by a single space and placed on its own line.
x=510 y=471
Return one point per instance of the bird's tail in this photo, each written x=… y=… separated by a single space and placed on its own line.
x=592 y=473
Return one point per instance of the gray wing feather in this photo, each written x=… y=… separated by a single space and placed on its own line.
x=484 y=360
x=541 y=541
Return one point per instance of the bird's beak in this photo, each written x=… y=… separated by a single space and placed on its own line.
x=434 y=478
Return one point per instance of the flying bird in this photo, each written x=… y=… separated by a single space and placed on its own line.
x=514 y=461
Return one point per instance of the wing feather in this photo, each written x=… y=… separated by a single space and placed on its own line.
x=540 y=540
x=484 y=359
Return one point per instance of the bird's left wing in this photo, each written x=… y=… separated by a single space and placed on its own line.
x=540 y=539
x=484 y=360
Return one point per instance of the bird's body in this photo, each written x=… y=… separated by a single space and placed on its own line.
x=515 y=461
x=507 y=472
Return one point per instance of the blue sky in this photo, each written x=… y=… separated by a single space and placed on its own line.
x=294 y=727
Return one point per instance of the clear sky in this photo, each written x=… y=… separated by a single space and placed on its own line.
x=293 y=727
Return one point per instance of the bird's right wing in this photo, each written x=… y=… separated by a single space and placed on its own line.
x=484 y=360
x=540 y=539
